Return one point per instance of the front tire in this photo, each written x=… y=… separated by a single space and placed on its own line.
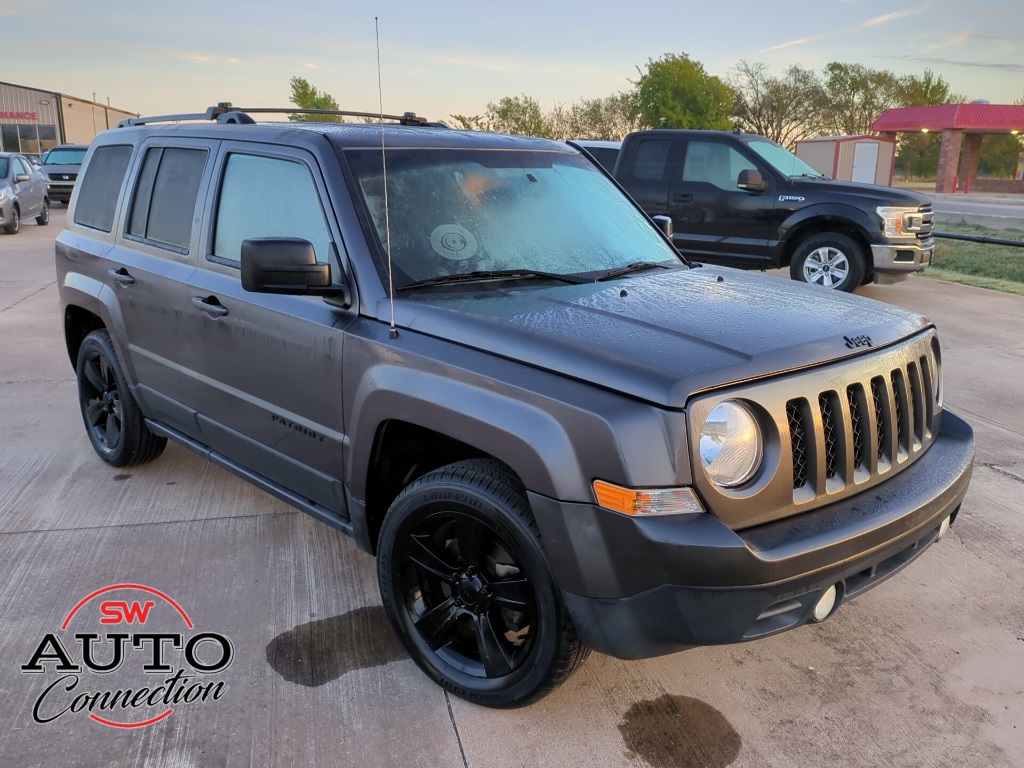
x=466 y=584
x=12 y=226
x=830 y=260
x=112 y=418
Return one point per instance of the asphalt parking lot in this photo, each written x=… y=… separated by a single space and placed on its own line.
x=925 y=670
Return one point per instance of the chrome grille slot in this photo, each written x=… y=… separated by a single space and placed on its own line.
x=901 y=414
x=916 y=403
x=929 y=397
x=828 y=425
x=858 y=421
x=883 y=423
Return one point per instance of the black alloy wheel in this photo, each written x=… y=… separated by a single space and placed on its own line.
x=467 y=586
x=113 y=421
x=44 y=215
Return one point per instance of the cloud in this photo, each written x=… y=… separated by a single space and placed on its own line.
x=875 y=22
x=963 y=38
x=1003 y=66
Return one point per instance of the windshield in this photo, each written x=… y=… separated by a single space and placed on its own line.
x=64 y=157
x=453 y=212
x=784 y=161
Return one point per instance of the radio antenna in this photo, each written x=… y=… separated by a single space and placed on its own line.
x=393 y=330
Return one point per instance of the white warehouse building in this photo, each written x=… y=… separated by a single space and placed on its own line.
x=33 y=120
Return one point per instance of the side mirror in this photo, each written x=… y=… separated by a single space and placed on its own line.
x=751 y=181
x=664 y=223
x=22 y=177
x=286 y=265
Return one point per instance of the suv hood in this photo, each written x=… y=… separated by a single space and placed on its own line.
x=673 y=333
x=833 y=191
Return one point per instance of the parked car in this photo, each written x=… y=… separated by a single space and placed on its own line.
x=605 y=152
x=742 y=200
x=60 y=167
x=478 y=357
x=22 y=193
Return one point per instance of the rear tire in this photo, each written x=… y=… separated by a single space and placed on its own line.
x=112 y=418
x=831 y=260
x=44 y=215
x=466 y=584
x=12 y=226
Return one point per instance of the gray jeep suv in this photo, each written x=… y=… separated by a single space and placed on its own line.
x=477 y=356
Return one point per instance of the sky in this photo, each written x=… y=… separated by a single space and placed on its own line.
x=443 y=57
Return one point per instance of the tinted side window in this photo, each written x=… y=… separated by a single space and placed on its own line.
x=101 y=186
x=714 y=163
x=649 y=161
x=165 y=197
x=268 y=197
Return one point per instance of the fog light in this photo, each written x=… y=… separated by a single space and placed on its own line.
x=825 y=604
x=943 y=528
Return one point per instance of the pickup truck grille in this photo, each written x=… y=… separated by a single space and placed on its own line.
x=927 y=222
x=832 y=431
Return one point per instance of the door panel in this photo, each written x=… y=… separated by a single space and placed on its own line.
x=266 y=369
x=713 y=219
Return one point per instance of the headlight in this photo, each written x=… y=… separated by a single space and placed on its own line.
x=900 y=222
x=730 y=444
x=3 y=193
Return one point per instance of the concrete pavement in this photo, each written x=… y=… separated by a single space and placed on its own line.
x=925 y=670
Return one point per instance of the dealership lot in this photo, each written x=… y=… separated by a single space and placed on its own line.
x=928 y=669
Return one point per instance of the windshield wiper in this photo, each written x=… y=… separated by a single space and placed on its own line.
x=810 y=176
x=495 y=274
x=634 y=267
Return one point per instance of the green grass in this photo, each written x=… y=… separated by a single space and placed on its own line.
x=998 y=267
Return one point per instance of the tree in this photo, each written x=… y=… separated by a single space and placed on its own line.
x=676 y=92
x=306 y=96
x=474 y=123
x=853 y=96
x=609 y=118
x=517 y=114
x=782 y=108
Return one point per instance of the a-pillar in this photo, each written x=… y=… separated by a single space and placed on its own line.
x=970 y=157
x=949 y=160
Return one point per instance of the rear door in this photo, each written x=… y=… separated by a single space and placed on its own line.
x=713 y=219
x=644 y=170
x=268 y=368
x=30 y=193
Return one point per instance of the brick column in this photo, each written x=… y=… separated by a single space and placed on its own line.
x=970 y=157
x=949 y=159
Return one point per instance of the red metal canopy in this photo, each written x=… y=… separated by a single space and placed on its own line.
x=971 y=118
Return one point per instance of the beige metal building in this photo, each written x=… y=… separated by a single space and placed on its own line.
x=33 y=120
x=864 y=158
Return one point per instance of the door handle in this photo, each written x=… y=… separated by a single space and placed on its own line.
x=682 y=197
x=122 y=276
x=209 y=305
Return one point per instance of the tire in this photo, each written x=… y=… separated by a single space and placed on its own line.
x=830 y=260
x=44 y=215
x=466 y=584
x=112 y=418
x=14 y=225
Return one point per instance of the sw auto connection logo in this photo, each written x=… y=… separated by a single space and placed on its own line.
x=127 y=679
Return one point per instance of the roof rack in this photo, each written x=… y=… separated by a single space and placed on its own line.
x=224 y=112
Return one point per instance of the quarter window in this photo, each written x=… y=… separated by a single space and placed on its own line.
x=165 y=198
x=101 y=187
x=650 y=160
x=268 y=197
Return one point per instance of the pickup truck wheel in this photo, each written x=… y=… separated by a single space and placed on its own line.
x=12 y=226
x=112 y=418
x=831 y=260
x=44 y=215
x=466 y=584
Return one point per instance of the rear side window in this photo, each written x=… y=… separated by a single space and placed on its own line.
x=246 y=210
x=650 y=159
x=101 y=186
x=165 y=196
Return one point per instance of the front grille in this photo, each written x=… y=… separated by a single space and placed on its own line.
x=861 y=430
x=927 y=222
x=830 y=431
x=60 y=176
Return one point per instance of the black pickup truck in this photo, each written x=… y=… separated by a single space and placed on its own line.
x=743 y=200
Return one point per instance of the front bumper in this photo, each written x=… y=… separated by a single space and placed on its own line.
x=894 y=261
x=640 y=587
x=60 y=192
